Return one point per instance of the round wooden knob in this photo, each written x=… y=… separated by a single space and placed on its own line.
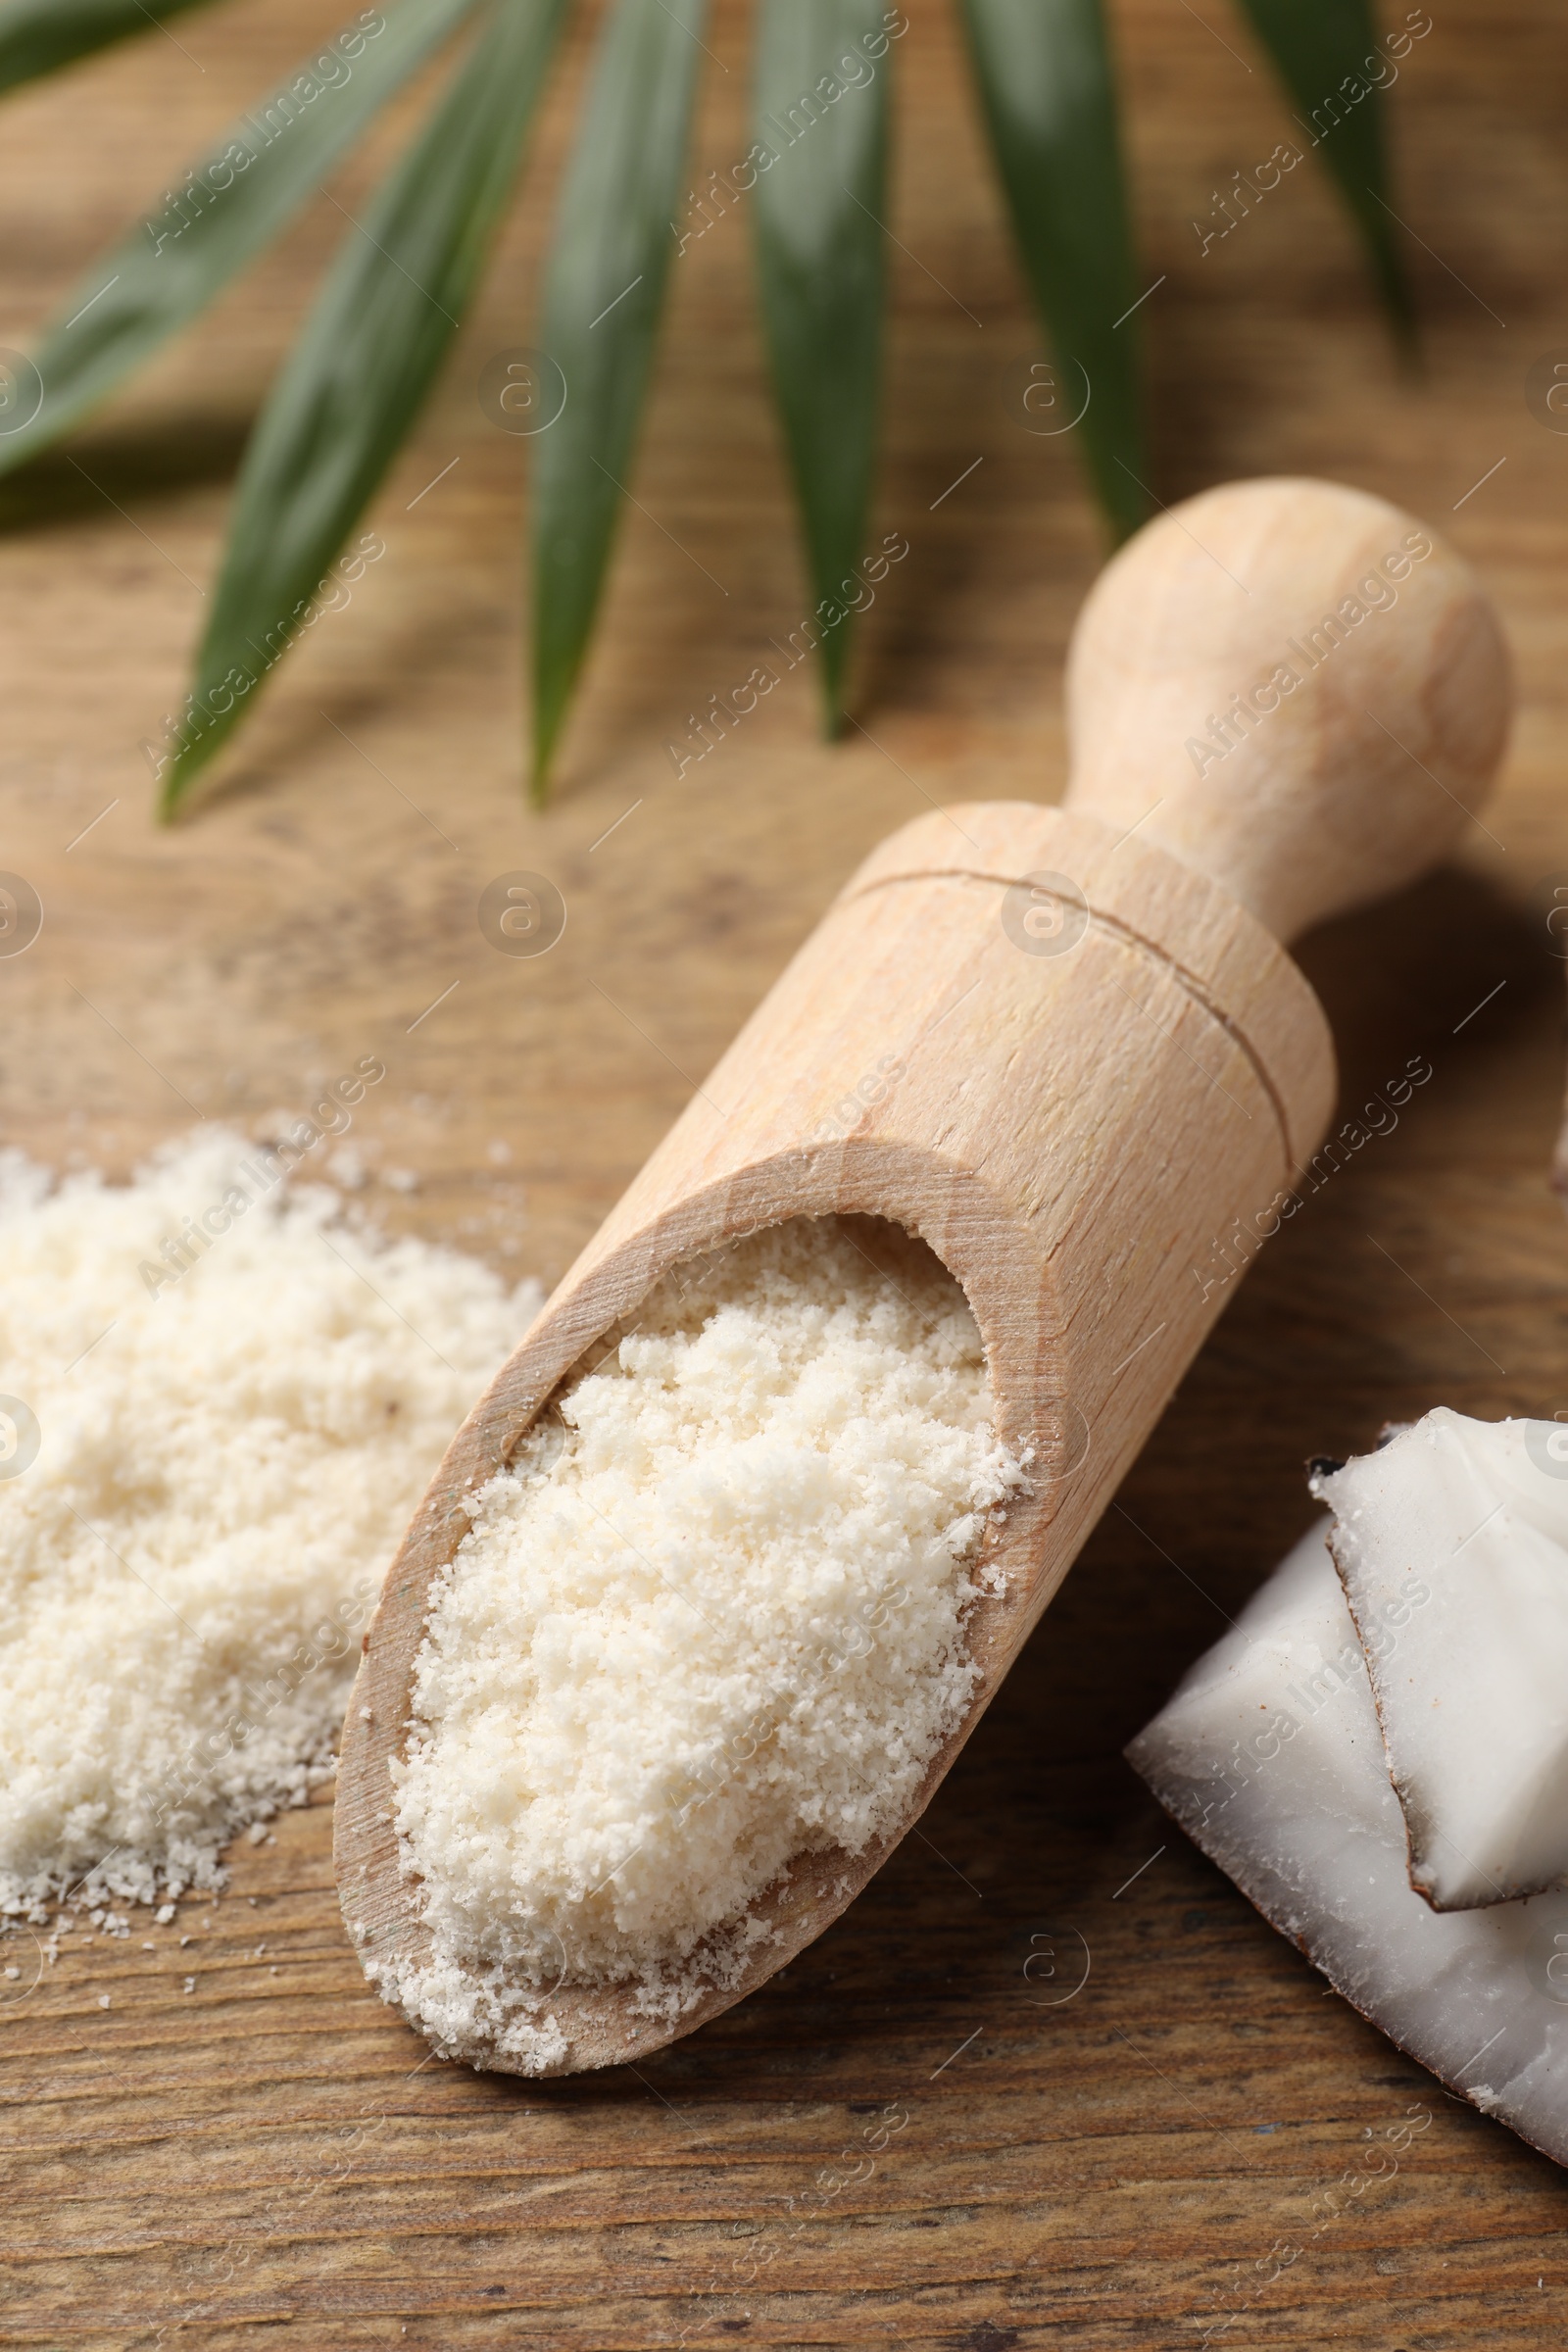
x=1297 y=688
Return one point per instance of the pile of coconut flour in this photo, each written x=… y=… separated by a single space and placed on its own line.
x=712 y=1618
x=226 y=1457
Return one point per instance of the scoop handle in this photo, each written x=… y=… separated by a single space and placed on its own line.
x=1295 y=688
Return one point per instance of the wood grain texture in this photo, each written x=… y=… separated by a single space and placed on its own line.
x=268 y=2158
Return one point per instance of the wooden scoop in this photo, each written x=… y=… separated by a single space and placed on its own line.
x=1063 y=1047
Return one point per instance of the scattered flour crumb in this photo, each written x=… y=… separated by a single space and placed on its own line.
x=346 y=1167
x=711 y=1618
x=229 y=1450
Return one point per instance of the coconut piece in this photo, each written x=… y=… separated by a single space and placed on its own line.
x=1270 y=1757
x=1456 y=1532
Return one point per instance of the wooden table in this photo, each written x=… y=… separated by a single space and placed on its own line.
x=275 y=2155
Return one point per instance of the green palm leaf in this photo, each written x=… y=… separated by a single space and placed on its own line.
x=603 y=290
x=364 y=362
x=1046 y=86
x=820 y=112
x=39 y=36
x=1319 y=49
x=380 y=325
x=239 y=196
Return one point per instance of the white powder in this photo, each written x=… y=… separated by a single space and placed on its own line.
x=712 y=1618
x=226 y=1464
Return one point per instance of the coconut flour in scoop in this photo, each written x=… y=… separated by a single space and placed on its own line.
x=712 y=1617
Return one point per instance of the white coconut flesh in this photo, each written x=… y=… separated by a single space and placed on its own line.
x=1456 y=1532
x=1271 y=1759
